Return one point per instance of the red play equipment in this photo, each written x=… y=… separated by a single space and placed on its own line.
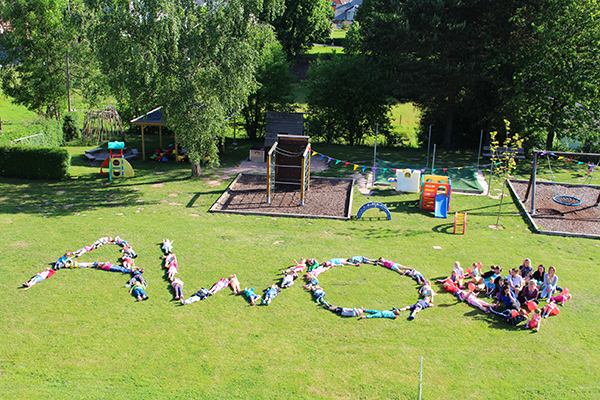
x=432 y=186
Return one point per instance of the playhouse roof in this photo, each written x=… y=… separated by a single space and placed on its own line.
x=151 y=118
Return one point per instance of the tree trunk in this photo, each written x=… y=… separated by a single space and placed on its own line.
x=550 y=138
x=196 y=170
x=449 y=122
x=68 y=64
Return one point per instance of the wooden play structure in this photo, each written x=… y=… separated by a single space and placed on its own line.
x=460 y=223
x=435 y=194
x=118 y=166
x=282 y=123
x=102 y=126
x=288 y=165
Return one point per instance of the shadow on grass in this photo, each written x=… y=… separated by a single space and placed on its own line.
x=54 y=199
x=493 y=321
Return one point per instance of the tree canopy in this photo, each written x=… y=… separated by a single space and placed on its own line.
x=471 y=64
x=45 y=52
x=302 y=23
x=344 y=101
x=198 y=62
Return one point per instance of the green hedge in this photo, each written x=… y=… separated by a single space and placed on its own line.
x=34 y=162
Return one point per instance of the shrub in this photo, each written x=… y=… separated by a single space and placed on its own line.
x=70 y=127
x=34 y=162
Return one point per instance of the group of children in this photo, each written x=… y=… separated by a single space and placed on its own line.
x=517 y=296
x=127 y=266
x=171 y=266
x=314 y=269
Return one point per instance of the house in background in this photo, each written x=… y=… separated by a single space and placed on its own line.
x=345 y=12
x=336 y=3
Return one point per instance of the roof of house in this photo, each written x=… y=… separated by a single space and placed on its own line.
x=153 y=117
x=342 y=10
x=337 y=3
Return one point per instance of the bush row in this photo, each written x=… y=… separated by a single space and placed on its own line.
x=34 y=162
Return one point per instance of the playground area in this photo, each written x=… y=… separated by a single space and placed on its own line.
x=327 y=198
x=464 y=180
x=551 y=217
x=64 y=335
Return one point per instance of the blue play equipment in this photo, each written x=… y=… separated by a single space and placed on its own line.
x=441 y=206
x=373 y=204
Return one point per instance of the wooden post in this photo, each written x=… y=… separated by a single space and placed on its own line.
x=302 y=178
x=269 y=178
x=176 y=148
x=160 y=137
x=143 y=145
x=533 y=173
x=308 y=169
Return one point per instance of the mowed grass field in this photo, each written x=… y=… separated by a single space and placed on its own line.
x=79 y=334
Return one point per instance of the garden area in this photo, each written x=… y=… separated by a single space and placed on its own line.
x=80 y=334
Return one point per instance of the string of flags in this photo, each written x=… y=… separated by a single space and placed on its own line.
x=363 y=168
x=589 y=166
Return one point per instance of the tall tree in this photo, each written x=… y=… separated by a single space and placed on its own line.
x=346 y=103
x=274 y=92
x=197 y=61
x=440 y=54
x=302 y=23
x=557 y=84
x=46 y=53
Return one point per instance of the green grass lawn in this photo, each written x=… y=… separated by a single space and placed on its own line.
x=12 y=116
x=80 y=335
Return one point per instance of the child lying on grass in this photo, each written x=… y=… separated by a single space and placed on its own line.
x=418 y=306
x=344 y=312
x=270 y=294
x=234 y=283
x=201 y=294
x=137 y=290
x=40 y=276
x=393 y=313
x=250 y=295
x=177 y=286
x=288 y=279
